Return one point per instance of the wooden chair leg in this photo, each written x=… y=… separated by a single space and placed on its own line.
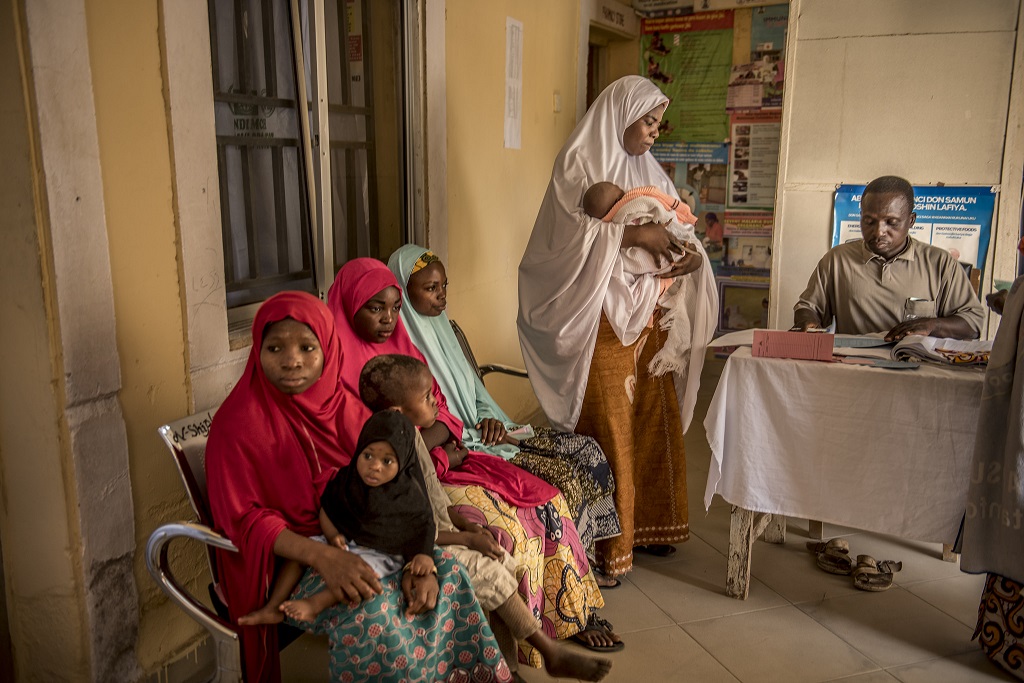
x=947 y=553
x=775 y=532
x=815 y=530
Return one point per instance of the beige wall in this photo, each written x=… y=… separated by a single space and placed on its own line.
x=917 y=88
x=132 y=126
x=493 y=192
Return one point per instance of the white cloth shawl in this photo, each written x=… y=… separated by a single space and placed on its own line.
x=571 y=257
x=993 y=532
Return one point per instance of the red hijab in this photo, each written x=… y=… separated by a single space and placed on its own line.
x=356 y=283
x=267 y=459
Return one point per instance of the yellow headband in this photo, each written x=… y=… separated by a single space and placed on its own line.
x=423 y=261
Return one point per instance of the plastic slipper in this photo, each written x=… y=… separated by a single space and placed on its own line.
x=872 y=575
x=596 y=623
x=659 y=549
x=833 y=556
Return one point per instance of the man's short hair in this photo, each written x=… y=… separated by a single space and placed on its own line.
x=892 y=184
x=385 y=379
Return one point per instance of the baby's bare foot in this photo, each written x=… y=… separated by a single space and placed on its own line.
x=566 y=663
x=299 y=610
x=264 y=615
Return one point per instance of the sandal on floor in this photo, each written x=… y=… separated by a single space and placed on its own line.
x=833 y=556
x=659 y=549
x=872 y=575
x=596 y=623
x=599 y=576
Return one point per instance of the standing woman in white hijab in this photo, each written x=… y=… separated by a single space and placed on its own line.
x=587 y=336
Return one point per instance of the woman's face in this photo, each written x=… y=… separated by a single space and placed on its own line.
x=291 y=356
x=376 y=320
x=642 y=133
x=428 y=290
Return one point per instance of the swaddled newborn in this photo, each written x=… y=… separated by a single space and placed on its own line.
x=689 y=300
x=607 y=201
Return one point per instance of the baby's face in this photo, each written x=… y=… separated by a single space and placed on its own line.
x=377 y=464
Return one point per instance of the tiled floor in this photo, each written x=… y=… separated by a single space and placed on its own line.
x=798 y=624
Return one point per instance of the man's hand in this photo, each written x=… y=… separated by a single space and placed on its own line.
x=996 y=300
x=347 y=576
x=806 y=326
x=923 y=326
x=492 y=431
x=420 y=593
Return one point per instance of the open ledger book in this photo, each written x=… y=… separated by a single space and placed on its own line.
x=872 y=350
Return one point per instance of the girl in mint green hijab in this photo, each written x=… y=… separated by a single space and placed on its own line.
x=574 y=463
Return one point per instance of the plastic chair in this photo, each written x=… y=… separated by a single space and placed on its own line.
x=186 y=439
x=482 y=370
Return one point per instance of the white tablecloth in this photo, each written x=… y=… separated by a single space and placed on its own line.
x=880 y=450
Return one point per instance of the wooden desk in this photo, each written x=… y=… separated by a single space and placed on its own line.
x=881 y=450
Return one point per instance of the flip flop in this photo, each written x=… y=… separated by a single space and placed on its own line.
x=872 y=575
x=833 y=556
x=615 y=583
x=658 y=549
x=596 y=623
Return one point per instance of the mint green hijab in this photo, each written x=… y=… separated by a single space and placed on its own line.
x=467 y=396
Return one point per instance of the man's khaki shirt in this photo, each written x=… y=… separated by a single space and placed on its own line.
x=868 y=294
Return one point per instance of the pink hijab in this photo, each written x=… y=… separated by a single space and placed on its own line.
x=268 y=457
x=356 y=283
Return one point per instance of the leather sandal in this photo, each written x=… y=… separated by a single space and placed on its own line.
x=872 y=575
x=833 y=556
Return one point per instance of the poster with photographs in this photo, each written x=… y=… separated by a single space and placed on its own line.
x=753 y=160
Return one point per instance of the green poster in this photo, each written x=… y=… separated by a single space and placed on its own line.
x=690 y=59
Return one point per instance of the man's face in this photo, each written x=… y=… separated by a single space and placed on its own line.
x=885 y=220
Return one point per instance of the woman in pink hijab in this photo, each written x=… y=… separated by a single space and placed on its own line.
x=554 y=575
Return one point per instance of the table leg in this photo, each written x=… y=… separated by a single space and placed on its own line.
x=815 y=530
x=775 y=531
x=947 y=553
x=741 y=537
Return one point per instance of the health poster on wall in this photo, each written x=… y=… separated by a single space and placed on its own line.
x=757 y=75
x=958 y=219
x=753 y=160
x=699 y=171
x=690 y=59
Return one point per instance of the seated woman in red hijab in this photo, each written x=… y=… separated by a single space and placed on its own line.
x=273 y=446
x=527 y=516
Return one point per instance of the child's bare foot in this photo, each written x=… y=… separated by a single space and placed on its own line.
x=563 y=662
x=299 y=610
x=268 y=614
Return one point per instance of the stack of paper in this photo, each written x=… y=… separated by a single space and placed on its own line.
x=802 y=345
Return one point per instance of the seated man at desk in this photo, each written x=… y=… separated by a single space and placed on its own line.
x=888 y=281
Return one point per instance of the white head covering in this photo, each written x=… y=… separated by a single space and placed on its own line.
x=571 y=257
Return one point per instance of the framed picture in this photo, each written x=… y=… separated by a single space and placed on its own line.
x=743 y=305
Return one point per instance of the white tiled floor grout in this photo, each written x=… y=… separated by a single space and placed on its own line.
x=799 y=623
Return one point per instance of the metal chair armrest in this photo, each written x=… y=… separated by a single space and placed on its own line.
x=225 y=637
x=503 y=369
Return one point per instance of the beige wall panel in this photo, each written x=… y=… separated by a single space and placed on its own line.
x=855 y=117
x=832 y=19
x=494 y=193
x=806 y=222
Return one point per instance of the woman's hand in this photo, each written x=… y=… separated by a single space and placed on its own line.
x=347 y=576
x=492 y=431
x=997 y=300
x=420 y=593
x=690 y=263
x=654 y=239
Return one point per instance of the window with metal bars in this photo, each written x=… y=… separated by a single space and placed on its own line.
x=305 y=188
